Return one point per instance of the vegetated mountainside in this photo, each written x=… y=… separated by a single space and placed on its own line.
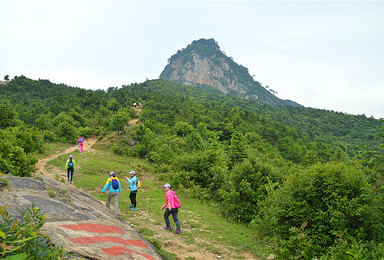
x=329 y=127
x=203 y=63
x=47 y=105
x=285 y=168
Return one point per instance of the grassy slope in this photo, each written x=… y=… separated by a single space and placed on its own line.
x=205 y=235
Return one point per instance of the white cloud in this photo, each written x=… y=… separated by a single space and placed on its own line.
x=320 y=54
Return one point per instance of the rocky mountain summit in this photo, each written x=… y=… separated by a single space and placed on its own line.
x=203 y=63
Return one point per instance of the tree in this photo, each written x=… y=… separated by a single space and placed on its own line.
x=236 y=150
x=7 y=115
x=117 y=123
x=6 y=77
x=374 y=159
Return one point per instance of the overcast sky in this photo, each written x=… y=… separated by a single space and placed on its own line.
x=327 y=55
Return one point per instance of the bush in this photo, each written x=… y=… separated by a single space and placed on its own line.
x=314 y=207
x=28 y=139
x=66 y=133
x=23 y=238
x=15 y=161
x=245 y=188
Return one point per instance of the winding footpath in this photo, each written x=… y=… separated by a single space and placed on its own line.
x=75 y=220
x=42 y=163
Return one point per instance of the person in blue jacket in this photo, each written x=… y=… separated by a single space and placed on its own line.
x=133 y=186
x=114 y=189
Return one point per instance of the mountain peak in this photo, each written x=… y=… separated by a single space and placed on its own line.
x=203 y=63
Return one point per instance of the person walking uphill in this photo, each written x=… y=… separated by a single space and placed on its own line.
x=172 y=205
x=70 y=168
x=80 y=143
x=133 y=186
x=113 y=184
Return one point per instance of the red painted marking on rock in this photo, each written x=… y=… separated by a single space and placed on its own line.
x=94 y=228
x=99 y=239
x=116 y=250
x=120 y=250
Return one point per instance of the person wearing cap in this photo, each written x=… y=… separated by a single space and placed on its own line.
x=171 y=208
x=70 y=168
x=133 y=186
x=80 y=143
x=112 y=192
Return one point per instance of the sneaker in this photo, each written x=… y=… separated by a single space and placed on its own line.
x=131 y=206
x=177 y=231
x=167 y=228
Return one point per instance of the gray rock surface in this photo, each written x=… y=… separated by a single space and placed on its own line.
x=76 y=220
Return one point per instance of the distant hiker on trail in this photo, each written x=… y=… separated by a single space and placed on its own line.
x=70 y=168
x=114 y=186
x=80 y=143
x=134 y=104
x=172 y=203
x=133 y=186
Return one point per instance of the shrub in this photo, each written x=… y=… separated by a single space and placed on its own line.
x=245 y=188
x=313 y=207
x=13 y=158
x=23 y=238
x=66 y=132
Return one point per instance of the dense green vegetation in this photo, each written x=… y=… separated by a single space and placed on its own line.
x=299 y=178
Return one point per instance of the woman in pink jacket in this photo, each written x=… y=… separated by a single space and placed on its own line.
x=172 y=205
x=80 y=142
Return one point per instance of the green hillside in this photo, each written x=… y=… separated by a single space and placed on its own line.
x=299 y=179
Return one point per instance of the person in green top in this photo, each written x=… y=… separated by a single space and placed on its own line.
x=70 y=168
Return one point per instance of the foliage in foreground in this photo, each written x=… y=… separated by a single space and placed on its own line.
x=23 y=238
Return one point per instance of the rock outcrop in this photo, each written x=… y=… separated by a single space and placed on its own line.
x=76 y=220
x=203 y=63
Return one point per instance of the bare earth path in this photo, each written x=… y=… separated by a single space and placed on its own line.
x=171 y=243
x=52 y=171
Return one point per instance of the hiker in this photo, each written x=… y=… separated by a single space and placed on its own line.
x=70 y=168
x=80 y=143
x=133 y=186
x=113 y=184
x=172 y=205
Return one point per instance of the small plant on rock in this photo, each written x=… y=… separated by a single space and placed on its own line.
x=23 y=238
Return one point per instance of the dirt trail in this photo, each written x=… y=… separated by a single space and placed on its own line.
x=171 y=243
x=52 y=171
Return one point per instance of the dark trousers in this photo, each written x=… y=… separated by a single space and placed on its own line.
x=132 y=197
x=70 y=171
x=174 y=212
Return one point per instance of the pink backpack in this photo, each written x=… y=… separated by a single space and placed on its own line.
x=177 y=203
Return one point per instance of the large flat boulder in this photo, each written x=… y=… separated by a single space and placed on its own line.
x=76 y=220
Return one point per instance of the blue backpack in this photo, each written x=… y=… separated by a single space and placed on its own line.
x=115 y=184
x=70 y=164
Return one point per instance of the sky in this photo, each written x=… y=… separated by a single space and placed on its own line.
x=320 y=54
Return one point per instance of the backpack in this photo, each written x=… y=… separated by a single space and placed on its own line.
x=177 y=203
x=115 y=184
x=138 y=184
x=70 y=164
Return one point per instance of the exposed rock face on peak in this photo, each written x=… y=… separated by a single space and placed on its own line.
x=203 y=63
